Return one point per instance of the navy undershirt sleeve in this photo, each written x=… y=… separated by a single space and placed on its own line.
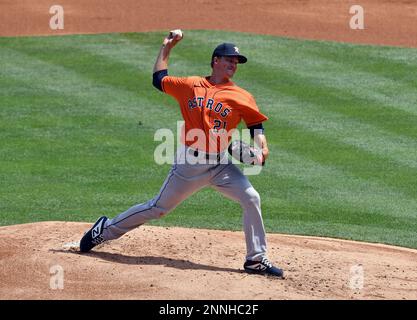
x=157 y=78
x=258 y=127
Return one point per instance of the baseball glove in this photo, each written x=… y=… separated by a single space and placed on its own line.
x=245 y=153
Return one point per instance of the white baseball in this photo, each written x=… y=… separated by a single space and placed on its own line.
x=176 y=34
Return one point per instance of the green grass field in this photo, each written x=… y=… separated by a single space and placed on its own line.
x=78 y=116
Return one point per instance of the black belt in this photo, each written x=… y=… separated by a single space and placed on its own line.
x=195 y=153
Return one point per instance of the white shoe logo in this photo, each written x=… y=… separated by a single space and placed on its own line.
x=261 y=267
x=96 y=231
x=258 y=266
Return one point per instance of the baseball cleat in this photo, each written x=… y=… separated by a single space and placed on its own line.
x=263 y=267
x=94 y=236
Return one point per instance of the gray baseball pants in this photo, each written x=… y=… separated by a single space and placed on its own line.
x=183 y=180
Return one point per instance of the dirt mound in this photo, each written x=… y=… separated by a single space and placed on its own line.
x=390 y=22
x=178 y=263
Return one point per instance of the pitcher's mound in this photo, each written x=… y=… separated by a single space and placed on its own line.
x=41 y=261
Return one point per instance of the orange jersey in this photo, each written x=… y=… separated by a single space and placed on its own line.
x=213 y=110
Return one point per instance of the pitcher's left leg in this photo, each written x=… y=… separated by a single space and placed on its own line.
x=231 y=182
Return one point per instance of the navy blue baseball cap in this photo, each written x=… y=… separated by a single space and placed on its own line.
x=228 y=50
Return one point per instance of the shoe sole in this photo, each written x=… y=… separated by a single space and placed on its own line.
x=264 y=273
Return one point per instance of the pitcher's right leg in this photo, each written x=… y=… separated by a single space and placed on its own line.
x=175 y=189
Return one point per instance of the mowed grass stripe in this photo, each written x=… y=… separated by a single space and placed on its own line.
x=343 y=101
x=369 y=233
x=363 y=78
x=56 y=116
x=82 y=95
x=99 y=71
x=401 y=66
x=353 y=161
x=379 y=83
x=394 y=148
x=334 y=188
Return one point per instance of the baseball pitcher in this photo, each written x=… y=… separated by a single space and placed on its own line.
x=211 y=107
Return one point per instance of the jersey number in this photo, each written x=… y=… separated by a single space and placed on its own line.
x=219 y=124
